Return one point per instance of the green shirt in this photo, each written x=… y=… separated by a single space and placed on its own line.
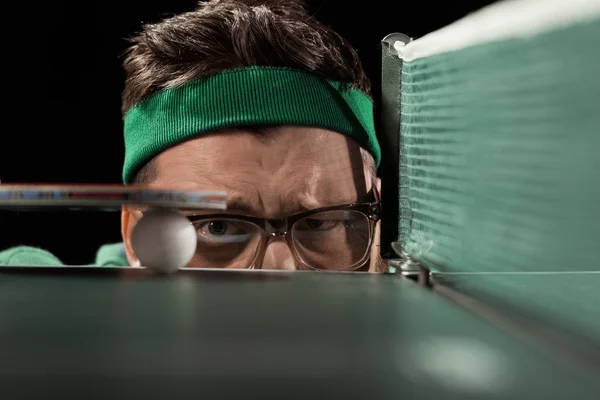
x=108 y=255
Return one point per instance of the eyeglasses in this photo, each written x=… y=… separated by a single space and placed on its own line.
x=329 y=238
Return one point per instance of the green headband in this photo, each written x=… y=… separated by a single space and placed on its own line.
x=244 y=97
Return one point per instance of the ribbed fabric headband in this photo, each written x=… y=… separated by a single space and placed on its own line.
x=244 y=97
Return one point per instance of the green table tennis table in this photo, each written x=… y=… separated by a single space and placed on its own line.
x=89 y=332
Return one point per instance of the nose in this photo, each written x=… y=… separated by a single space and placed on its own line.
x=279 y=256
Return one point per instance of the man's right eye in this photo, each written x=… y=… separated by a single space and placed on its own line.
x=223 y=231
x=319 y=224
x=217 y=227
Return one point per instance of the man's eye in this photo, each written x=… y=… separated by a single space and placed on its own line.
x=224 y=231
x=320 y=224
x=217 y=228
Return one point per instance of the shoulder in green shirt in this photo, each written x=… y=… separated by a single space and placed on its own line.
x=108 y=255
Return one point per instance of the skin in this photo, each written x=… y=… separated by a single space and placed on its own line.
x=279 y=172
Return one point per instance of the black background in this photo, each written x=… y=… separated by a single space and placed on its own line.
x=62 y=82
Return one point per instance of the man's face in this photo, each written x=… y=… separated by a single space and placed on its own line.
x=276 y=173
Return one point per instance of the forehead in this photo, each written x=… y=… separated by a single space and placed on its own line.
x=275 y=168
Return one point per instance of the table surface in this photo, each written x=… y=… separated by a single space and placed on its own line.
x=97 y=333
x=567 y=301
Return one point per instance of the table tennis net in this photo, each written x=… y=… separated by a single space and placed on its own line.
x=499 y=154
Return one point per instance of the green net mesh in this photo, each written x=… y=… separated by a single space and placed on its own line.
x=500 y=167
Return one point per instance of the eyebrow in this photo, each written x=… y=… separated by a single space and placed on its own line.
x=237 y=204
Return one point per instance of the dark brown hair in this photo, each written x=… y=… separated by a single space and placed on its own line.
x=223 y=34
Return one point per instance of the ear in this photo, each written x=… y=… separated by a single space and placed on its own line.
x=128 y=220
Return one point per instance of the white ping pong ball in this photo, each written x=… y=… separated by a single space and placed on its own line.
x=163 y=240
